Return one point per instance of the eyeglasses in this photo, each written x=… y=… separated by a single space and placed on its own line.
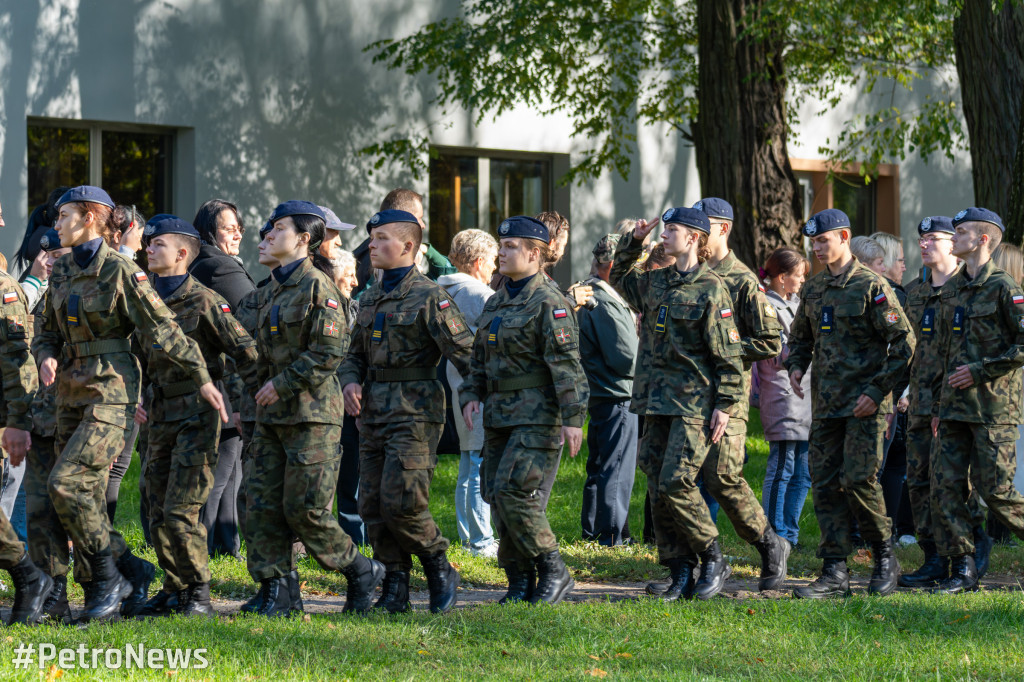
x=923 y=241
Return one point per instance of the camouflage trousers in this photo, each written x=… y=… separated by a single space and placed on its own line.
x=396 y=466
x=919 y=481
x=845 y=455
x=723 y=476
x=987 y=454
x=672 y=452
x=248 y=431
x=88 y=440
x=291 y=476
x=47 y=538
x=11 y=549
x=177 y=478
x=516 y=462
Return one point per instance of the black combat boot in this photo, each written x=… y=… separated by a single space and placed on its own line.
x=982 y=550
x=363 y=576
x=774 y=553
x=683 y=584
x=198 y=601
x=714 y=571
x=161 y=604
x=295 y=592
x=521 y=583
x=833 y=582
x=962 y=578
x=553 y=579
x=887 y=569
x=31 y=587
x=275 y=598
x=106 y=590
x=56 y=610
x=934 y=568
x=394 y=593
x=442 y=581
x=656 y=589
x=139 y=573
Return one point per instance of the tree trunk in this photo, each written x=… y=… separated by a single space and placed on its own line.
x=740 y=132
x=1014 y=216
x=990 y=63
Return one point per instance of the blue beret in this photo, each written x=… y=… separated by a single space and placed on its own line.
x=392 y=215
x=86 y=193
x=826 y=221
x=981 y=215
x=267 y=227
x=935 y=223
x=333 y=222
x=524 y=226
x=164 y=223
x=50 y=241
x=691 y=217
x=714 y=207
x=296 y=207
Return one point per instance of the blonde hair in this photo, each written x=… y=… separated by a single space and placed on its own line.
x=866 y=249
x=891 y=247
x=625 y=226
x=1010 y=259
x=470 y=245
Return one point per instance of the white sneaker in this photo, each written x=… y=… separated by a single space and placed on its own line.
x=488 y=552
x=906 y=540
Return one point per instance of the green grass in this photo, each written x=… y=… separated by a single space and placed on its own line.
x=906 y=636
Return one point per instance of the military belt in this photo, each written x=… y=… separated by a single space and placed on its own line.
x=86 y=348
x=402 y=374
x=532 y=380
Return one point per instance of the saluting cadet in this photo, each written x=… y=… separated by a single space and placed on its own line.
x=295 y=452
x=97 y=298
x=976 y=397
x=405 y=324
x=923 y=305
x=689 y=380
x=184 y=430
x=760 y=338
x=526 y=369
x=850 y=324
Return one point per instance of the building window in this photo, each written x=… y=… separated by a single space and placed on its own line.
x=479 y=189
x=132 y=163
x=872 y=207
x=857 y=200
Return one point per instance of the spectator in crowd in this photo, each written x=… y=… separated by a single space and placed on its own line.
x=892 y=259
x=786 y=417
x=608 y=348
x=473 y=252
x=869 y=253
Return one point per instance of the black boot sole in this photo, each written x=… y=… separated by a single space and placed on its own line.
x=657 y=589
x=834 y=594
x=565 y=589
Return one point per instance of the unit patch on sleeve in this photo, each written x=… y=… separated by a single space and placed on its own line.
x=455 y=327
x=562 y=336
x=734 y=335
x=769 y=310
x=892 y=316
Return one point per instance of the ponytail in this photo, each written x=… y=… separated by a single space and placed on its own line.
x=703 y=252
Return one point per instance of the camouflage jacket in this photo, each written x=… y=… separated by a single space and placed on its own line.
x=248 y=316
x=301 y=338
x=922 y=308
x=526 y=360
x=981 y=325
x=859 y=337
x=44 y=401
x=397 y=342
x=90 y=313
x=16 y=363
x=690 y=360
x=207 y=320
x=756 y=320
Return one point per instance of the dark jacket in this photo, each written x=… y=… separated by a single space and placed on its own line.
x=608 y=346
x=223 y=273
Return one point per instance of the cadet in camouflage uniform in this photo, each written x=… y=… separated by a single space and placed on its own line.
x=31 y=585
x=404 y=325
x=295 y=453
x=184 y=429
x=689 y=379
x=760 y=338
x=922 y=307
x=852 y=327
x=526 y=368
x=976 y=398
x=97 y=298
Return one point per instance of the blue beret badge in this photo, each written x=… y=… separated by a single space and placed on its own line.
x=699 y=205
x=375 y=219
x=149 y=229
x=926 y=225
x=666 y=216
x=960 y=215
x=503 y=228
x=811 y=227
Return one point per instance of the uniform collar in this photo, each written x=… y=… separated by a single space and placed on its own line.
x=727 y=264
x=288 y=275
x=401 y=289
x=843 y=277
x=172 y=288
x=524 y=294
x=983 y=274
x=676 y=277
x=85 y=253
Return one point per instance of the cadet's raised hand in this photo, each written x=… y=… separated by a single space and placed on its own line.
x=795 y=377
x=961 y=378
x=643 y=228
x=212 y=395
x=719 y=420
x=574 y=436
x=48 y=371
x=16 y=442
x=471 y=408
x=865 y=407
x=353 y=394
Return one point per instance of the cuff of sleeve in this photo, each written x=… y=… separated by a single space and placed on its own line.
x=875 y=394
x=201 y=376
x=19 y=421
x=977 y=372
x=466 y=397
x=283 y=388
x=35 y=281
x=575 y=419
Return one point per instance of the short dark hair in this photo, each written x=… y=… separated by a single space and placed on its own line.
x=402 y=199
x=187 y=242
x=206 y=218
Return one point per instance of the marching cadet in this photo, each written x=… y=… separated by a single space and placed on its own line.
x=760 y=339
x=526 y=369
x=47 y=539
x=295 y=453
x=922 y=308
x=689 y=380
x=31 y=585
x=405 y=323
x=184 y=429
x=97 y=297
x=976 y=397
x=850 y=324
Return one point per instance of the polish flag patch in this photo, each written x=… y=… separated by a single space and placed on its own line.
x=1017 y=300
x=560 y=313
x=332 y=304
x=726 y=312
x=10 y=297
x=140 y=276
x=442 y=305
x=225 y=308
x=880 y=299
x=761 y=287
